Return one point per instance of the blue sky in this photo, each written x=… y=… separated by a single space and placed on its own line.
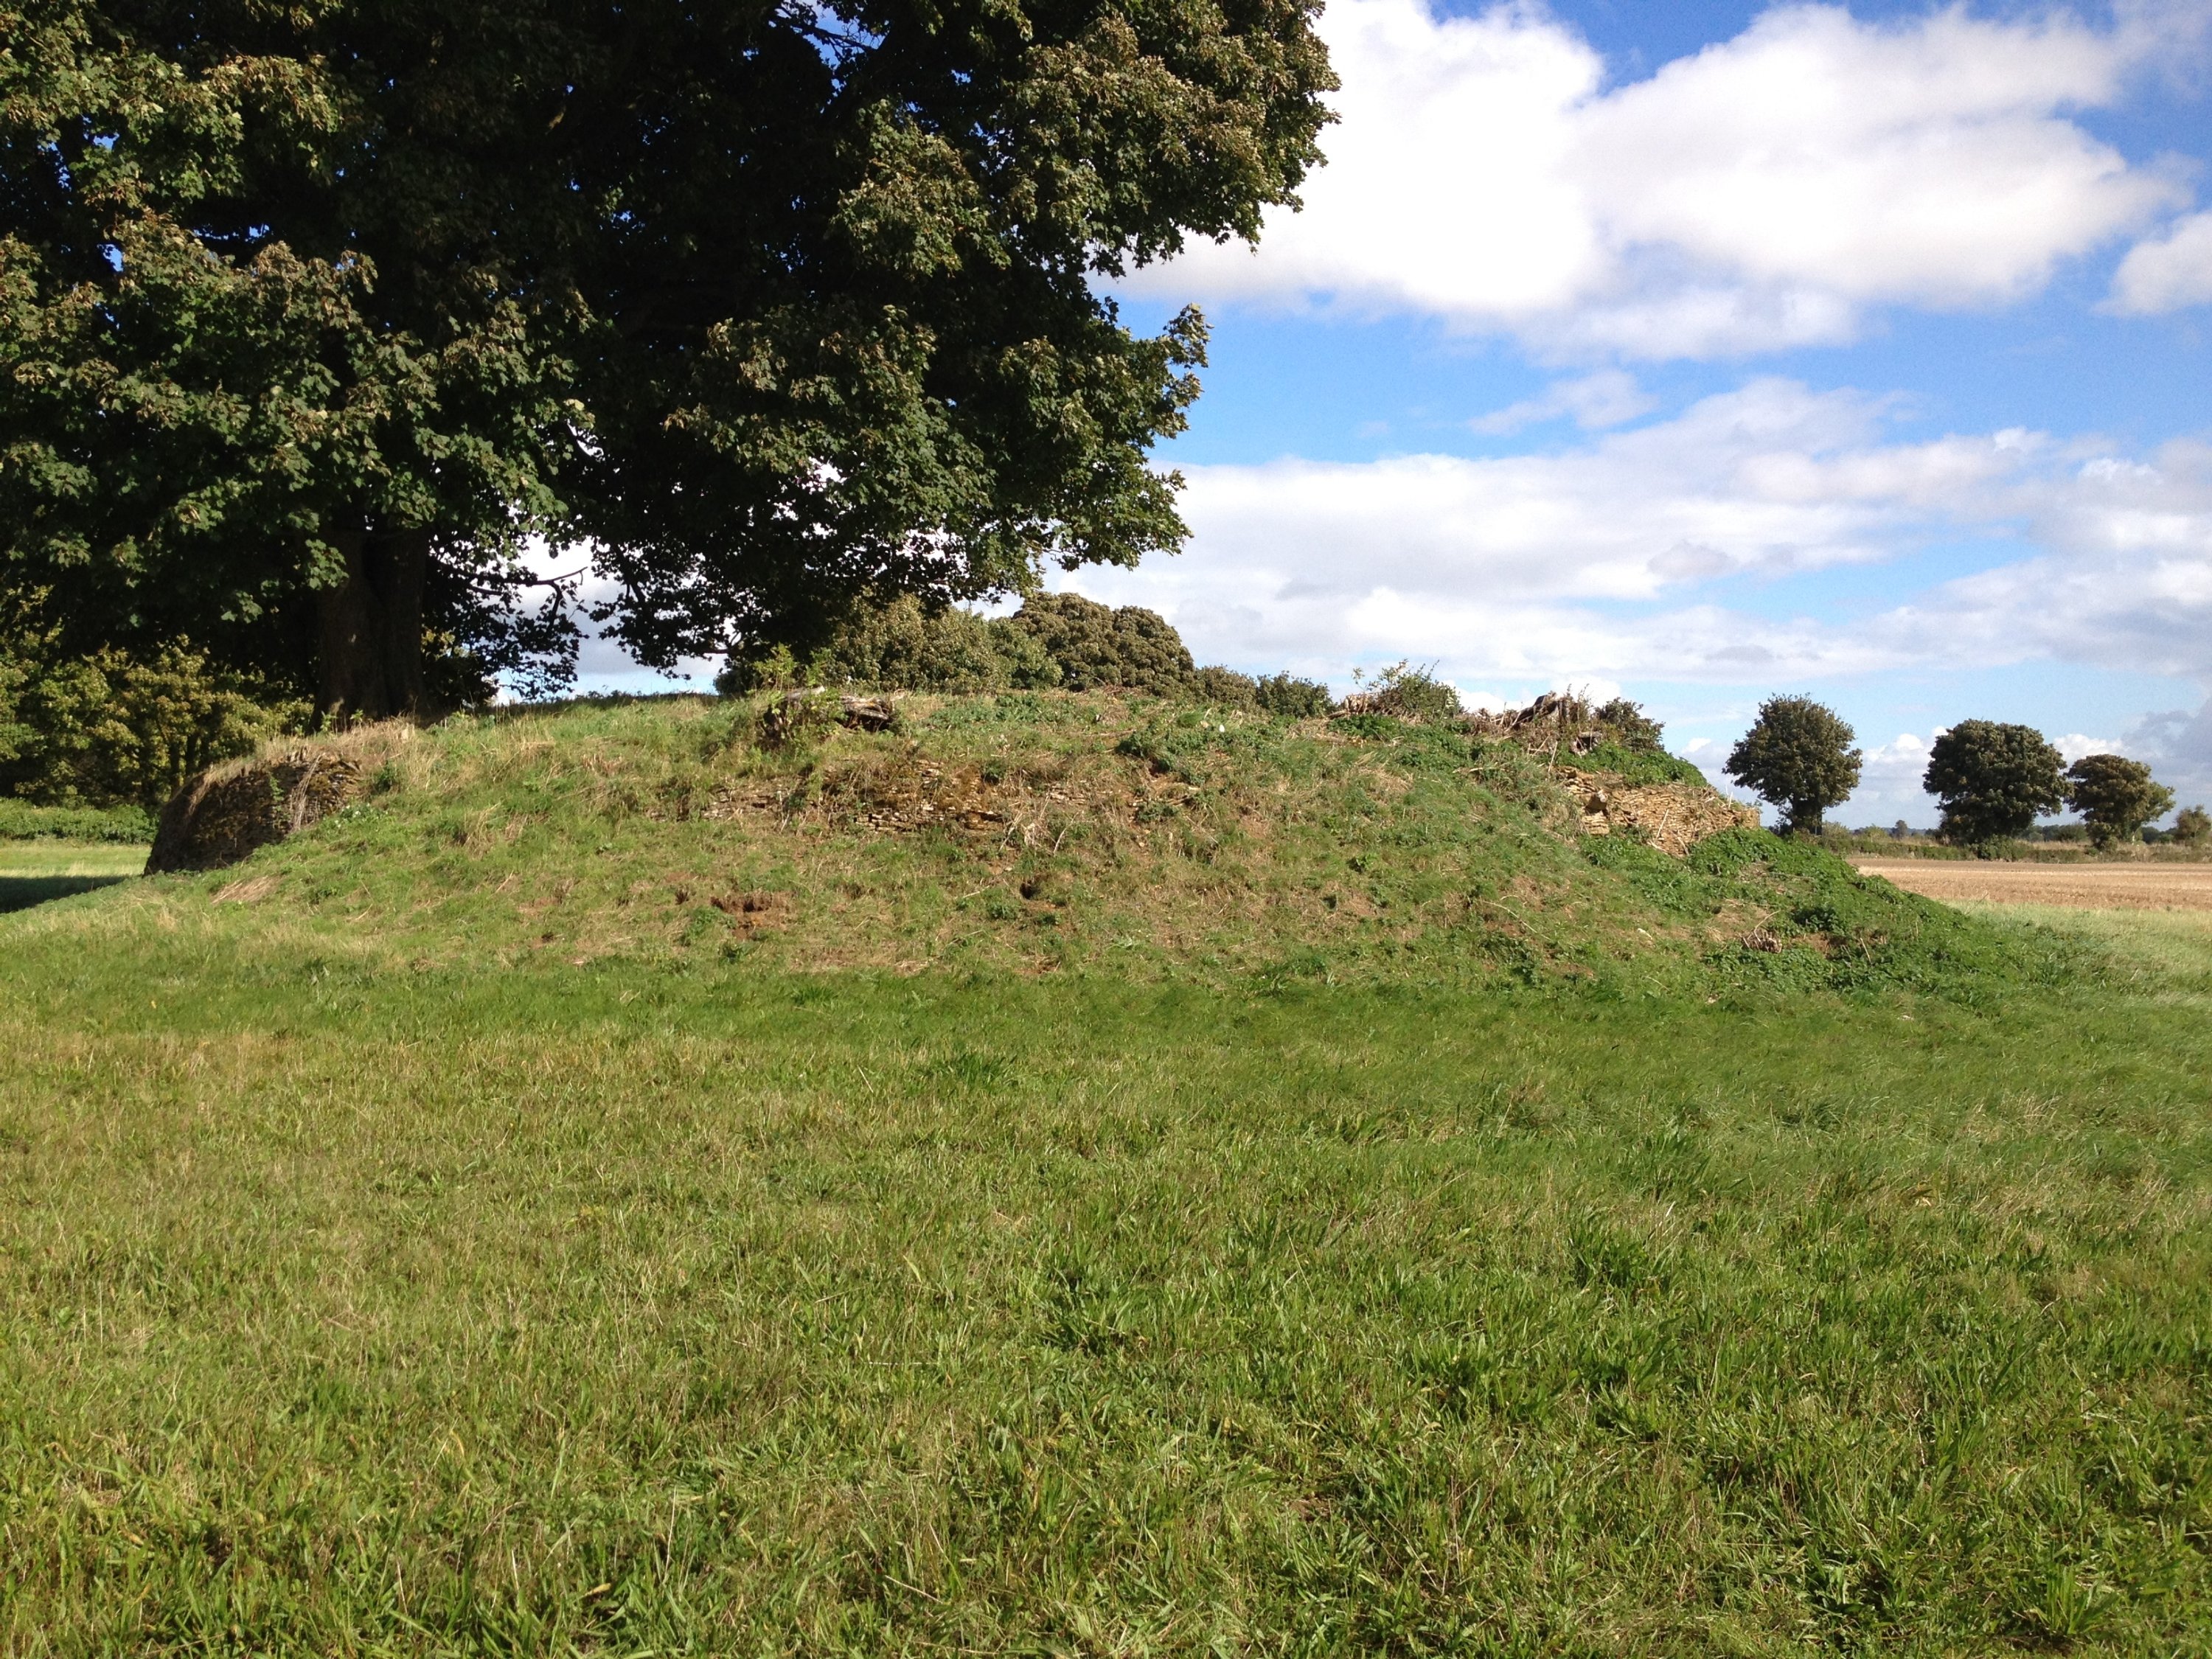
x=1707 y=351
x=1704 y=351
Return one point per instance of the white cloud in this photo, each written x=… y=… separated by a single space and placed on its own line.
x=2168 y=272
x=1762 y=193
x=1594 y=560
x=2178 y=746
x=1609 y=397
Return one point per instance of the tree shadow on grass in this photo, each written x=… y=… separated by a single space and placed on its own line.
x=21 y=892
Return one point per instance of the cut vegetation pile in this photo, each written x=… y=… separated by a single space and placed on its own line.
x=1045 y=832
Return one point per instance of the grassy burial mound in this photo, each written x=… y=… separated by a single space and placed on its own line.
x=1042 y=832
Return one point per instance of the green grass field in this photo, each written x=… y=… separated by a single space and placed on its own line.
x=35 y=872
x=364 y=1298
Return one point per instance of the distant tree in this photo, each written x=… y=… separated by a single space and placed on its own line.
x=2115 y=796
x=1291 y=698
x=1797 y=756
x=1993 y=780
x=1129 y=649
x=2192 y=826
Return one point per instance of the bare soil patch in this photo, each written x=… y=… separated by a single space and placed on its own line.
x=2146 y=886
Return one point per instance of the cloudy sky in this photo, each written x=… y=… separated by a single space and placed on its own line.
x=1705 y=351
x=1708 y=350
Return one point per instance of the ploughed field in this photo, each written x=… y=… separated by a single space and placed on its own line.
x=1419 y=1231
x=2146 y=884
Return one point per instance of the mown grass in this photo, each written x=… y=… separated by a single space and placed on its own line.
x=361 y=1297
x=37 y=872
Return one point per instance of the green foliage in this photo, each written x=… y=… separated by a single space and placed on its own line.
x=303 y=310
x=1797 y=756
x=116 y=730
x=1098 y=647
x=1288 y=697
x=904 y=646
x=2192 y=826
x=1632 y=765
x=2116 y=797
x=1405 y=692
x=125 y=825
x=1994 y=780
x=1627 y=726
x=1225 y=687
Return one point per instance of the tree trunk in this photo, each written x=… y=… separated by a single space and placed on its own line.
x=371 y=627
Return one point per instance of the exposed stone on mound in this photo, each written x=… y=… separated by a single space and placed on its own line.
x=868 y=713
x=1671 y=816
x=230 y=811
x=796 y=713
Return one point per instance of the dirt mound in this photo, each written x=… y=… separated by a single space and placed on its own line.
x=229 y=812
x=1671 y=816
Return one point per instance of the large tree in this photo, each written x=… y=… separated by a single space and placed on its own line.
x=2116 y=797
x=1993 y=779
x=1798 y=756
x=310 y=315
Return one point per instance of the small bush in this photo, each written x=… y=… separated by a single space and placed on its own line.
x=1403 y=692
x=2192 y=826
x=1633 y=766
x=903 y=646
x=1288 y=697
x=1627 y=726
x=1225 y=687
x=20 y=821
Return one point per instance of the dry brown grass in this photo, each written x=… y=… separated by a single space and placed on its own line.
x=2131 y=886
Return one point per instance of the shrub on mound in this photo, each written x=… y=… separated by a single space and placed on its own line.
x=1403 y=692
x=903 y=646
x=1225 y=687
x=1100 y=648
x=1289 y=697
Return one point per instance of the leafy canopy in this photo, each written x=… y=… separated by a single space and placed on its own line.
x=781 y=308
x=1994 y=780
x=1798 y=756
x=2115 y=796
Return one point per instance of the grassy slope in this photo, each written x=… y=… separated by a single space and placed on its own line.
x=361 y=1297
x=1128 y=837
